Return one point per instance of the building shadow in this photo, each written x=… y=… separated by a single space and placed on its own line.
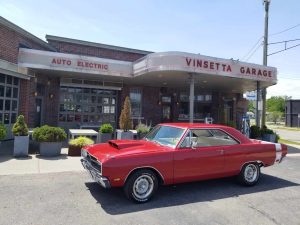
x=60 y=157
x=113 y=201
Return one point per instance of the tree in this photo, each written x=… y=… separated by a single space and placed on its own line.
x=251 y=106
x=275 y=116
x=125 y=121
x=277 y=103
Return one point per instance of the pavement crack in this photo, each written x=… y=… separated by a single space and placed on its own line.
x=264 y=214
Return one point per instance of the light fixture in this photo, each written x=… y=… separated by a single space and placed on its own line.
x=51 y=96
x=35 y=93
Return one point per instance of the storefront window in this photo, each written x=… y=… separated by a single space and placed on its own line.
x=202 y=106
x=85 y=105
x=9 y=94
x=136 y=102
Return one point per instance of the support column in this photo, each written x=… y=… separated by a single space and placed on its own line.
x=192 y=96
x=258 y=99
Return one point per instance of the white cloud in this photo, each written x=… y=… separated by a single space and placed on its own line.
x=287 y=87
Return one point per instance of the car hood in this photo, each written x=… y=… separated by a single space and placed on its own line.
x=123 y=147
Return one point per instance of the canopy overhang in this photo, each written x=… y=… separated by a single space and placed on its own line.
x=170 y=69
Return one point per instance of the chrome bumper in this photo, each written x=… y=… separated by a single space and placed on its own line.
x=95 y=174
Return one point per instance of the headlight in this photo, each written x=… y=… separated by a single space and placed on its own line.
x=83 y=153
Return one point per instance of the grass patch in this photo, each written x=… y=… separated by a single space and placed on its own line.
x=289 y=128
x=287 y=142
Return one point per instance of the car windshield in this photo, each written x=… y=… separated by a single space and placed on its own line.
x=165 y=135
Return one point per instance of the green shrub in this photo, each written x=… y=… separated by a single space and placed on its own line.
x=106 y=128
x=142 y=128
x=81 y=142
x=266 y=130
x=2 y=132
x=231 y=123
x=20 y=127
x=49 y=134
x=255 y=132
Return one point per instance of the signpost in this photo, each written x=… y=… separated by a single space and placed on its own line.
x=298 y=119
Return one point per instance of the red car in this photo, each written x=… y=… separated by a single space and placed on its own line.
x=178 y=152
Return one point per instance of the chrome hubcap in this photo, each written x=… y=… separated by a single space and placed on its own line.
x=143 y=186
x=251 y=173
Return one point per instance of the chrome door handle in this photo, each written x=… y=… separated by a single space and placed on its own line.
x=221 y=151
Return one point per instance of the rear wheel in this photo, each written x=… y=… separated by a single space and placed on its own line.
x=249 y=174
x=141 y=186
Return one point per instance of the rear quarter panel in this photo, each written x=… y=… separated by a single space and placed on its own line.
x=117 y=169
x=236 y=156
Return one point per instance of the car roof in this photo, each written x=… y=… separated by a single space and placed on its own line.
x=194 y=125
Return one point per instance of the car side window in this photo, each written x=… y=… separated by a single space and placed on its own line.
x=207 y=137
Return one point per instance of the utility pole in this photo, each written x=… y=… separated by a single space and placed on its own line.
x=265 y=60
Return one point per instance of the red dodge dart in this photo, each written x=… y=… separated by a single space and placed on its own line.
x=178 y=152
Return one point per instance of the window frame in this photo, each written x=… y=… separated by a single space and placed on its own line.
x=189 y=133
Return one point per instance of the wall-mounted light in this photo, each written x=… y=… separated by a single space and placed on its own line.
x=159 y=103
x=48 y=82
x=35 y=93
x=51 y=96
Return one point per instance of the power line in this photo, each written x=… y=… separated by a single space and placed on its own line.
x=254 y=46
x=294 y=46
x=255 y=50
x=280 y=32
x=285 y=30
x=279 y=42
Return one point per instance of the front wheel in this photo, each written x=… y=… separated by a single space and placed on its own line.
x=141 y=186
x=249 y=174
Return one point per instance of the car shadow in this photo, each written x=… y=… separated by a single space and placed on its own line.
x=293 y=150
x=113 y=201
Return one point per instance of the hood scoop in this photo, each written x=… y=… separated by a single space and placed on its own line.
x=122 y=144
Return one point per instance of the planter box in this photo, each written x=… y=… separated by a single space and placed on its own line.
x=104 y=137
x=269 y=137
x=122 y=135
x=21 y=145
x=74 y=150
x=50 y=148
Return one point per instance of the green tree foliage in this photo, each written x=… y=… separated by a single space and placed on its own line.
x=20 y=127
x=251 y=106
x=125 y=121
x=277 y=103
x=275 y=116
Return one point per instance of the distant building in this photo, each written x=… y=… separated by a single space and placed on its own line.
x=292 y=112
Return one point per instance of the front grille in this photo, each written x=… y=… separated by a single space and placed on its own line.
x=94 y=162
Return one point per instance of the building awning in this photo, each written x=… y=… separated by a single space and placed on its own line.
x=12 y=69
x=170 y=69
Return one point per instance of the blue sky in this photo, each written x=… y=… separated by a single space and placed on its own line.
x=219 y=28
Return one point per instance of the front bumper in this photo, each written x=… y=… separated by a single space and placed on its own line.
x=95 y=174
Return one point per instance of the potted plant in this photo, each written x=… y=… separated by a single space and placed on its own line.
x=105 y=132
x=125 y=121
x=50 y=139
x=75 y=145
x=142 y=130
x=21 y=140
x=268 y=134
x=2 y=132
x=255 y=132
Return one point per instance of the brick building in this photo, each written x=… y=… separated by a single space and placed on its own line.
x=292 y=113
x=73 y=83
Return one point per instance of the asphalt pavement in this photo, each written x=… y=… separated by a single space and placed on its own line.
x=73 y=198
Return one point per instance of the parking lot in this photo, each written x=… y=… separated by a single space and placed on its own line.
x=72 y=198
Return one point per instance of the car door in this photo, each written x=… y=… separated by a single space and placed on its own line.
x=197 y=161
